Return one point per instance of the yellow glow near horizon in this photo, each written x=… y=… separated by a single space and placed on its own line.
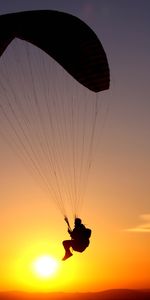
x=36 y=267
x=45 y=266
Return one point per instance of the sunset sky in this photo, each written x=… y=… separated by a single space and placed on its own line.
x=117 y=204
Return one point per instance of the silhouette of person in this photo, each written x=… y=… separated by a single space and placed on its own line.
x=79 y=238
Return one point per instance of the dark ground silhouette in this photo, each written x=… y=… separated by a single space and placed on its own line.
x=118 y=294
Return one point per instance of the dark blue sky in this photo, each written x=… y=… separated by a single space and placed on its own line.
x=123 y=27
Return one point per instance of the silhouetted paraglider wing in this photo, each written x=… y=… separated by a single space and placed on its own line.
x=64 y=37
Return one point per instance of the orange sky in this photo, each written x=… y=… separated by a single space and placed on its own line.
x=117 y=206
x=31 y=226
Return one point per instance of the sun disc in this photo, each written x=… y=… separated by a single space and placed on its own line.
x=45 y=266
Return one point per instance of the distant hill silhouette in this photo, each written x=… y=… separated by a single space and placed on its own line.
x=117 y=294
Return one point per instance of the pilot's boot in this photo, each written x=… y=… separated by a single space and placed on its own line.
x=67 y=255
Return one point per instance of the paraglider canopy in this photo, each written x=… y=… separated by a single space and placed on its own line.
x=64 y=37
x=50 y=119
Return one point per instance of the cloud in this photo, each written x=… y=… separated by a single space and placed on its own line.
x=144 y=226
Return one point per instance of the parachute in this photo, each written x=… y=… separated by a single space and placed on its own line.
x=64 y=37
x=49 y=80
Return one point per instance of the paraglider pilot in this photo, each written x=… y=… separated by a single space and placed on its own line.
x=79 y=238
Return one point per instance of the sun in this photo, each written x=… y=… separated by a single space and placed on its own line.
x=45 y=266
